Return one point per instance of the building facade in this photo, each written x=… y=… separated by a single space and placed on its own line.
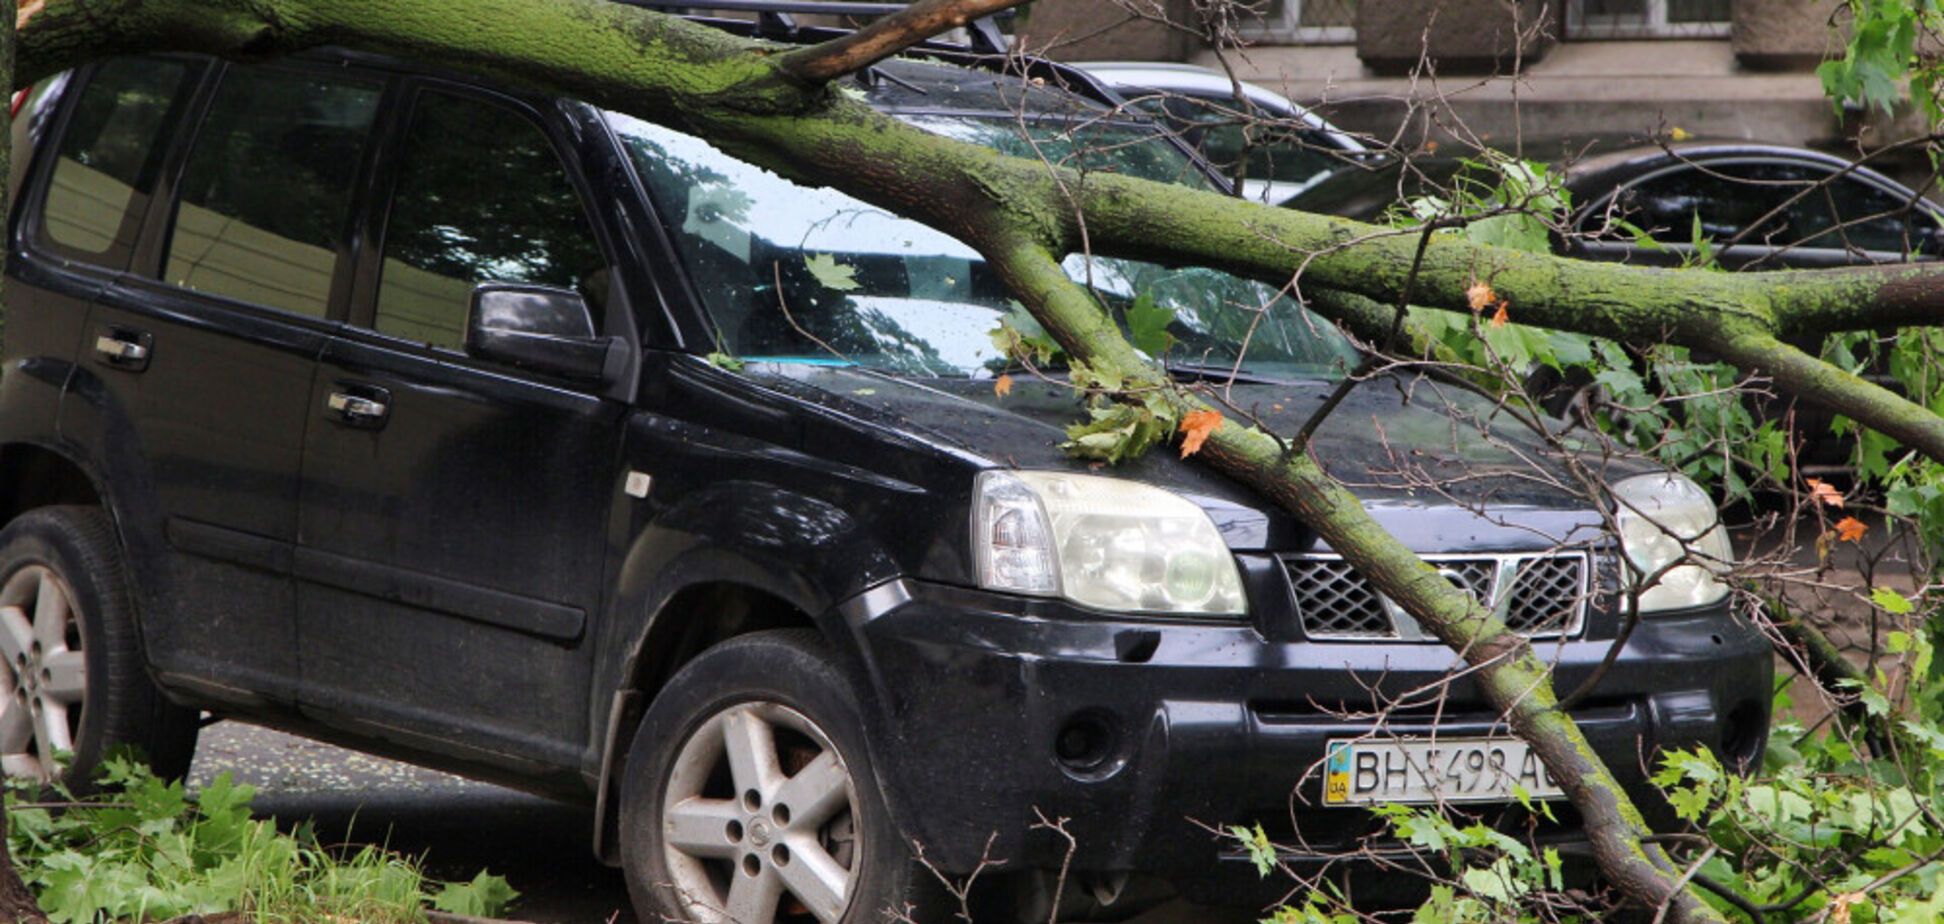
x=1543 y=77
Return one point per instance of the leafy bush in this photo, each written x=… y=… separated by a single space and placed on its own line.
x=148 y=850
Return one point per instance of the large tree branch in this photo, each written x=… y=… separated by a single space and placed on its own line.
x=1804 y=376
x=1509 y=675
x=885 y=37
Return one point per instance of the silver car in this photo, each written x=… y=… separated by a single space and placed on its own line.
x=1284 y=150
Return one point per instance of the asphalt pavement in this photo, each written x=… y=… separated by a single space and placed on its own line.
x=456 y=826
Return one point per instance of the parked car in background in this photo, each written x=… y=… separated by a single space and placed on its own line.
x=385 y=404
x=1284 y=147
x=1757 y=206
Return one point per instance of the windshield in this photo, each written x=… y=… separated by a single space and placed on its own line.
x=792 y=273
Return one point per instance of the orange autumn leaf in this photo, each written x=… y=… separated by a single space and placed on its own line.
x=1481 y=295
x=1851 y=529
x=1824 y=493
x=1198 y=425
x=1499 y=317
x=1002 y=386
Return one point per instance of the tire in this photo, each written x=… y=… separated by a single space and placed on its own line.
x=62 y=585
x=785 y=683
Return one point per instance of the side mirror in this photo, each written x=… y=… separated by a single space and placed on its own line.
x=541 y=328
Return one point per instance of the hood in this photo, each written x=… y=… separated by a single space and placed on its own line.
x=1433 y=462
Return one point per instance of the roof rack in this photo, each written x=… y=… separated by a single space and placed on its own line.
x=775 y=16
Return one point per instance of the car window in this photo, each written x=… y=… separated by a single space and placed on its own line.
x=481 y=197
x=1277 y=150
x=106 y=163
x=1798 y=203
x=267 y=189
x=794 y=273
x=1723 y=198
x=1848 y=213
x=1278 y=153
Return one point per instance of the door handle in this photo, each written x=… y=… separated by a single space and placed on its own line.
x=360 y=410
x=123 y=349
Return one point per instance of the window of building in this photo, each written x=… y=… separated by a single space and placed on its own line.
x=267 y=189
x=1320 y=22
x=1609 y=19
x=108 y=158
x=481 y=197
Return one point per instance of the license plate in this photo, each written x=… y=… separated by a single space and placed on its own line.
x=1368 y=771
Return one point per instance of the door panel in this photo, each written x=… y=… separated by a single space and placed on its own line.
x=214 y=414
x=453 y=515
x=449 y=558
x=204 y=377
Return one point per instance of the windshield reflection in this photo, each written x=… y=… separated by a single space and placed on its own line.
x=794 y=273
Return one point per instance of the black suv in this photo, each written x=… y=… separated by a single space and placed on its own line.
x=397 y=409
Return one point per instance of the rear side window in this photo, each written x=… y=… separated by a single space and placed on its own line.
x=268 y=187
x=1718 y=202
x=1849 y=214
x=105 y=166
x=1277 y=150
x=1798 y=205
x=481 y=197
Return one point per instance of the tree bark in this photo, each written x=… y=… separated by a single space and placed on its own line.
x=17 y=904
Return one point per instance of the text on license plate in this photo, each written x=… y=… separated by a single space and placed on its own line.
x=1408 y=770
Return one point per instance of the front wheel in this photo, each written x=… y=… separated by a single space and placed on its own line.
x=750 y=797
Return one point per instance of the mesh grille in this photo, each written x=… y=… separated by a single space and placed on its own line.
x=1547 y=594
x=1336 y=601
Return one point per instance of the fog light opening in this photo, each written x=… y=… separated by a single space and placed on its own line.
x=1743 y=733
x=1085 y=744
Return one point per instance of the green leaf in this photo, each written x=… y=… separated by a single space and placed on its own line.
x=1020 y=337
x=1147 y=323
x=486 y=896
x=830 y=274
x=1261 y=852
x=1116 y=432
x=1892 y=602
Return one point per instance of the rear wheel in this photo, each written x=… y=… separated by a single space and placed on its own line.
x=72 y=683
x=751 y=799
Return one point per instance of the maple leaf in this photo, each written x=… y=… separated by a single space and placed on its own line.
x=1481 y=295
x=1002 y=386
x=1824 y=493
x=1499 y=317
x=1198 y=425
x=1851 y=529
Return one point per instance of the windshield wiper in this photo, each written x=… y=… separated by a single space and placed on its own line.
x=1223 y=373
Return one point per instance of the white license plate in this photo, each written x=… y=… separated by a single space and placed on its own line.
x=1368 y=771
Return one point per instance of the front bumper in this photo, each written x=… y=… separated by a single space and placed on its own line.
x=990 y=711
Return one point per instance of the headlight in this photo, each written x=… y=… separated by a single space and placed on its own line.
x=1663 y=518
x=1102 y=542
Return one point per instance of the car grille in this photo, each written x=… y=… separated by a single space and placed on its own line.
x=1537 y=595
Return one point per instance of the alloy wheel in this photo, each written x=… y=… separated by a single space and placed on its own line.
x=758 y=819
x=43 y=674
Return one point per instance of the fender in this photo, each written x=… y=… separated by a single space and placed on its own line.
x=805 y=552
x=96 y=428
